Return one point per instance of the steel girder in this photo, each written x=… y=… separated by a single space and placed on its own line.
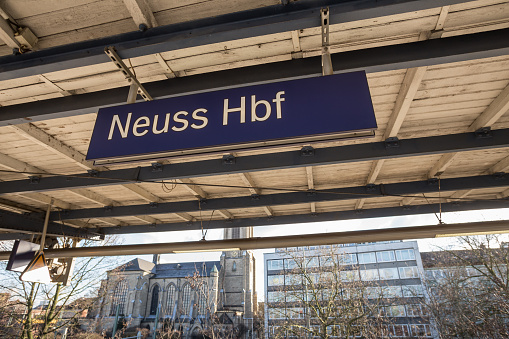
x=338 y=194
x=290 y=159
x=307 y=218
x=31 y=224
x=421 y=53
x=241 y=25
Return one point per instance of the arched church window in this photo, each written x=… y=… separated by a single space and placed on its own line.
x=202 y=300
x=234 y=266
x=155 y=300
x=170 y=300
x=119 y=298
x=186 y=298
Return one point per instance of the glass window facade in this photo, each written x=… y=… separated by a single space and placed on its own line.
x=402 y=255
x=367 y=258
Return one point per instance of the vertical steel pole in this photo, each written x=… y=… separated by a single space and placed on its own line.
x=155 y=323
x=116 y=322
x=45 y=227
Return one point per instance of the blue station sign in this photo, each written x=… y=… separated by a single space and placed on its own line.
x=295 y=111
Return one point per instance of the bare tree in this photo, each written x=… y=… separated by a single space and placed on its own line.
x=42 y=321
x=469 y=288
x=331 y=299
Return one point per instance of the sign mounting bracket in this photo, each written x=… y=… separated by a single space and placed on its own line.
x=326 y=58
x=135 y=86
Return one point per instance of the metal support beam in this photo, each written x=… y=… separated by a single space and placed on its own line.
x=338 y=194
x=289 y=159
x=402 y=56
x=399 y=233
x=30 y=224
x=240 y=25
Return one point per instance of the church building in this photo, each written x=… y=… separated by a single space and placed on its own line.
x=190 y=297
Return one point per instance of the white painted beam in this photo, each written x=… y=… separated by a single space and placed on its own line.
x=193 y=188
x=498 y=107
x=40 y=137
x=501 y=166
x=225 y=214
x=248 y=181
x=57 y=88
x=141 y=12
x=268 y=211
x=442 y=164
x=458 y=195
x=406 y=95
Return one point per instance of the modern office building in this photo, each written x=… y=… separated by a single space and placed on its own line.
x=388 y=274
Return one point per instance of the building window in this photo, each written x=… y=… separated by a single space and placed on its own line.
x=275 y=264
x=408 y=272
x=170 y=300
x=391 y=291
x=385 y=256
x=186 y=298
x=389 y=273
x=412 y=290
x=402 y=255
x=202 y=301
x=234 y=266
x=155 y=300
x=119 y=298
x=275 y=280
x=369 y=275
x=421 y=330
x=347 y=259
x=367 y=258
x=395 y=311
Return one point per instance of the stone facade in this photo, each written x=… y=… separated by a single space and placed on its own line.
x=182 y=295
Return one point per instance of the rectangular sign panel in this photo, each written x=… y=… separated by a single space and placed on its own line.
x=304 y=110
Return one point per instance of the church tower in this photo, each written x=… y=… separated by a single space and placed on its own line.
x=237 y=277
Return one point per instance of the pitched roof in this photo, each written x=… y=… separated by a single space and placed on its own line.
x=139 y=265
x=185 y=269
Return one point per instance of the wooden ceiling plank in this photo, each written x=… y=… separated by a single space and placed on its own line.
x=184 y=216
x=42 y=138
x=248 y=181
x=495 y=110
x=95 y=197
x=16 y=206
x=168 y=72
x=313 y=207
x=411 y=83
x=501 y=166
x=54 y=86
x=488 y=117
x=407 y=201
x=459 y=195
x=442 y=164
x=6 y=31
x=225 y=214
x=143 y=193
x=309 y=175
x=37 y=135
x=441 y=18
x=504 y=194
x=268 y=211
x=194 y=189
x=141 y=13
x=148 y=219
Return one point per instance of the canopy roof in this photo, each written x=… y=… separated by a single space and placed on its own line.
x=438 y=71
